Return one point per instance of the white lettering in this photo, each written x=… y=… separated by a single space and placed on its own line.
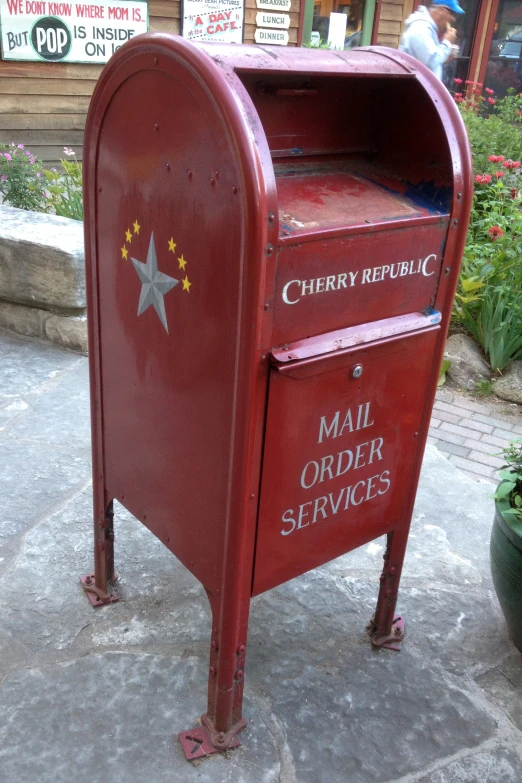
x=354 y=502
x=303 y=515
x=330 y=283
x=316 y=509
x=384 y=481
x=307 y=288
x=303 y=474
x=326 y=467
x=375 y=449
x=285 y=292
x=333 y=426
x=425 y=263
x=287 y=518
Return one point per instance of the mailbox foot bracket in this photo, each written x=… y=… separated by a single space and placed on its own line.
x=199 y=742
x=96 y=596
x=391 y=641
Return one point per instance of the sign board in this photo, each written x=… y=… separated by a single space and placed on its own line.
x=69 y=31
x=277 y=37
x=337 y=30
x=271 y=19
x=213 y=20
x=274 y=5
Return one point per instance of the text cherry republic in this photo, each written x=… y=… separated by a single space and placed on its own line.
x=294 y=290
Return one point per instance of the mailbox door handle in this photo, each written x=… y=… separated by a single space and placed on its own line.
x=316 y=355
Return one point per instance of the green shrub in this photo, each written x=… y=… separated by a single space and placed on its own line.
x=65 y=188
x=488 y=301
x=22 y=182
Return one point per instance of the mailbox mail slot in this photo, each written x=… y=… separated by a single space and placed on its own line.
x=272 y=241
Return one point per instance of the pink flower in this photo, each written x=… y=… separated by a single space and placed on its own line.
x=495 y=232
x=7 y=156
x=458 y=97
x=483 y=179
x=31 y=160
x=3 y=178
x=490 y=92
x=457 y=81
x=500 y=174
x=20 y=146
x=492 y=101
x=38 y=174
x=508 y=164
x=496 y=158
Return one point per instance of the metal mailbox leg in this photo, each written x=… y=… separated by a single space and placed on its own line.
x=97 y=585
x=223 y=720
x=386 y=628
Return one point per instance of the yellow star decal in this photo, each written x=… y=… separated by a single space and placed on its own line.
x=124 y=252
x=186 y=284
x=128 y=235
x=136 y=227
x=182 y=263
x=172 y=244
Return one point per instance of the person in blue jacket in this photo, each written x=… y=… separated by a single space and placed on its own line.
x=429 y=35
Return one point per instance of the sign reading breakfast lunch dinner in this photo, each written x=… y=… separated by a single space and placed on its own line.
x=81 y=32
x=270 y=16
x=213 y=20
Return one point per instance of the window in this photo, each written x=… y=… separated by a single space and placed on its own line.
x=354 y=12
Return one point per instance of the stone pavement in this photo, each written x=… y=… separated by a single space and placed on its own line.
x=98 y=696
x=471 y=433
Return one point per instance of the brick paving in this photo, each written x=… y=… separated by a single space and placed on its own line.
x=470 y=433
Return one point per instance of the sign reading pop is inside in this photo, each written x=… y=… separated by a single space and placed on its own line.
x=69 y=31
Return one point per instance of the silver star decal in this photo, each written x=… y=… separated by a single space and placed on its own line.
x=154 y=284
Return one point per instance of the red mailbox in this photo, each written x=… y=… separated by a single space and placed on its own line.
x=273 y=240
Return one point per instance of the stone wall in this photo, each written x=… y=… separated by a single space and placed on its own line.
x=42 y=277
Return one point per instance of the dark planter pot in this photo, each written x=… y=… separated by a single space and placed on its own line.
x=506 y=568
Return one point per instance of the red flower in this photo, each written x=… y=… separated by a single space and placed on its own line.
x=495 y=158
x=468 y=82
x=500 y=174
x=483 y=179
x=495 y=232
x=490 y=92
x=457 y=81
x=511 y=164
x=479 y=84
x=458 y=97
x=492 y=101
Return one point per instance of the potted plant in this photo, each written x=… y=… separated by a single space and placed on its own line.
x=506 y=541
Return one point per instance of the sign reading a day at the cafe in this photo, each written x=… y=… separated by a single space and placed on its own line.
x=82 y=32
x=213 y=20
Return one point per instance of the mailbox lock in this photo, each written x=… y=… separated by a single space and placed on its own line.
x=357 y=371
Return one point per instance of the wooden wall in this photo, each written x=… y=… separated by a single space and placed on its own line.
x=43 y=105
x=393 y=14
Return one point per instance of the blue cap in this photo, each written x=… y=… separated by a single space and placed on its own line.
x=451 y=4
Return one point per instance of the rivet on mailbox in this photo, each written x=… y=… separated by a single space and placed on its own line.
x=352 y=168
